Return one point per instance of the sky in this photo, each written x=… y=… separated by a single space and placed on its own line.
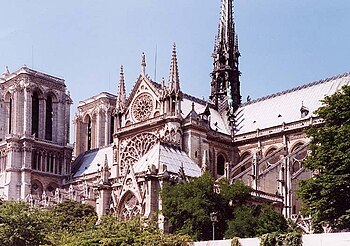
x=283 y=44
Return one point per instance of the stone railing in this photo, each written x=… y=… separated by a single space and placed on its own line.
x=268 y=196
x=147 y=122
x=277 y=129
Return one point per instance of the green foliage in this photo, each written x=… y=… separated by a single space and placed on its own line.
x=136 y=232
x=255 y=220
x=74 y=224
x=270 y=221
x=73 y=216
x=326 y=196
x=21 y=225
x=278 y=239
x=188 y=206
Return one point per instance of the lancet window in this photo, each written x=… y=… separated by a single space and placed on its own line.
x=48 y=122
x=35 y=114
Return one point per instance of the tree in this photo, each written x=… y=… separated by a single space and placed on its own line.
x=188 y=206
x=73 y=216
x=326 y=195
x=111 y=231
x=21 y=225
x=255 y=220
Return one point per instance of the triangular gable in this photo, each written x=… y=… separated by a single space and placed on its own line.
x=150 y=87
x=129 y=184
x=144 y=95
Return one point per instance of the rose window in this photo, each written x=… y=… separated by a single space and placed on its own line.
x=142 y=107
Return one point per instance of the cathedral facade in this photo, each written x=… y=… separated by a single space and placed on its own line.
x=126 y=147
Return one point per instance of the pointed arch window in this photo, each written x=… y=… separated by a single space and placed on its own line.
x=89 y=132
x=48 y=122
x=10 y=116
x=111 y=130
x=35 y=114
x=220 y=165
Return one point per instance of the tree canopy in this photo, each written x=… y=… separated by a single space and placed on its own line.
x=326 y=195
x=187 y=207
x=74 y=224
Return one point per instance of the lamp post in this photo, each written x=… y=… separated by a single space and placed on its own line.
x=214 y=219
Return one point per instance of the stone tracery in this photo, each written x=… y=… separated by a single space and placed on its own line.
x=142 y=107
x=133 y=149
x=130 y=207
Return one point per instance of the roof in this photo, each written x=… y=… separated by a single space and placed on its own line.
x=169 y=155
x=285 y=106
x=91 y=161
x=96 y=97
x=26 y=70
x=217 y=122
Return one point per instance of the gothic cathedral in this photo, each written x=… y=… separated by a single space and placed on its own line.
x=126 y=147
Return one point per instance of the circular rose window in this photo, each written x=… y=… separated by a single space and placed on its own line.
x=142 y=107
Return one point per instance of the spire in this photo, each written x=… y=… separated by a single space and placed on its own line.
x=174 y=83
x=105 y=174
x=143 y=64
x=6 y=72
x=225 y=85
x=121 y=95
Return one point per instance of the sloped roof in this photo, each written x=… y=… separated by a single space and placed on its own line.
x=285 y=106
x=91 y=161
x=217 y=122
x=169 y=155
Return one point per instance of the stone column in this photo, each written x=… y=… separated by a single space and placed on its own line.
x=107 y=128
x=55 y=122
x=93 y=131
x=77 y=136
x=42 y=117
x=54 y=164
x=27 y=114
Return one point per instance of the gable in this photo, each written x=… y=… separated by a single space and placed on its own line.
x=143 y=102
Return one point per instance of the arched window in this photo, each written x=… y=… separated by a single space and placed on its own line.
x=35 y=114
x=36 y=188
x=111 y=130
x=300 y=153
x=35 y=160
x=220 y=165
x=89 y=131
x=273 y=159
x=48 y=122
x=10 y=116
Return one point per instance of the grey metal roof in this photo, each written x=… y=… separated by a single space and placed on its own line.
x=92 y=160
x=285 y=106
x=217 y=122
x=169 y=155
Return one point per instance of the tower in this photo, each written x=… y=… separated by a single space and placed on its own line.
x=225 y=85
x=34 y=151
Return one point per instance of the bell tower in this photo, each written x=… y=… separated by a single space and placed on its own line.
x=225 y=84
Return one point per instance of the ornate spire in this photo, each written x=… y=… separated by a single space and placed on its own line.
x=121 y=95
x=143 y=64
x=105 y=174
x=174 y=83
x=225 y=86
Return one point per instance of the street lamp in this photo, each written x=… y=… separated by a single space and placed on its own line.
x=213 y=219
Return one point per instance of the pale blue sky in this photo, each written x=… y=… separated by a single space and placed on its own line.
x=283 y=43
